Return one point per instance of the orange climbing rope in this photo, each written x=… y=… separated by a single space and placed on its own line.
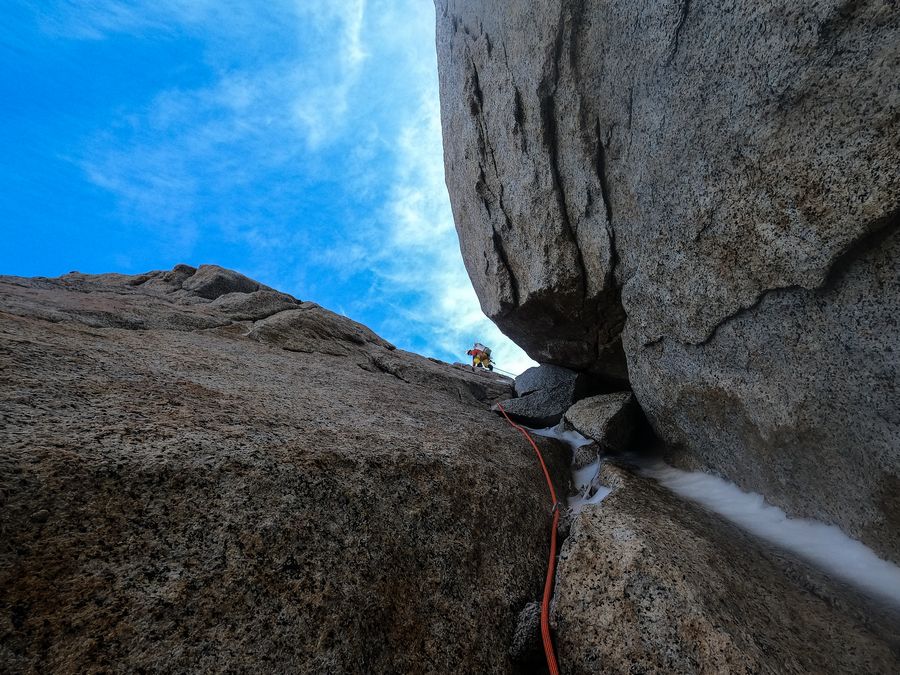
x=551 y=565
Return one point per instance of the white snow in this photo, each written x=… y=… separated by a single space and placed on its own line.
x=825 y=546
x=586 y=480
x=590 y=491
x=580 y=501
x=582 y=478
x=572 y=438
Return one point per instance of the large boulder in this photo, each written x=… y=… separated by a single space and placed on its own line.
x=544 y=393
x=648 y=583
x=547 y=377
x=608 y=419
x=203 y=493
x=310 y=329
x=254 y=305
x=585 y=455
x=710 y=190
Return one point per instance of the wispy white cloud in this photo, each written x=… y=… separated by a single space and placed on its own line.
x=100 y=19
x=417 y=253
x=322 y=107
x=303 y=86
x=356 y=75
x=348 y=17
x=262 y=116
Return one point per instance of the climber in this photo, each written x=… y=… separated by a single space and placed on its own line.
x=481 y=356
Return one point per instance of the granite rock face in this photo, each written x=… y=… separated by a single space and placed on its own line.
x=546 y=377
x=212 y=281
x=254 y=305
x=652 y=584
x=608 y=419
x=527 y=649
x=585 y=455
x=181 y=489
x=710 y=190
x=544 y=393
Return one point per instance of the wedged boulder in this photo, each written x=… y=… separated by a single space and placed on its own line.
x=609 y=419
x=176 y=500
x=547 y=377
x=722 y=210
x=585 y=455
x=539 y=409
x=544 y=393
x=650 y=583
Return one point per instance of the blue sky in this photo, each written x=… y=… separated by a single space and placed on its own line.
x=297 y=141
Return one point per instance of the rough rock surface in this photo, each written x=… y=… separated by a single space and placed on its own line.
x=212 y=281
x=609 y=419
x=648 y=583
x=539 y=409
x=527 y=647
x=546 y=377
x=585 y=455
x=254 y=305
x=722 y=175
x=181 y=491
x=544 y=393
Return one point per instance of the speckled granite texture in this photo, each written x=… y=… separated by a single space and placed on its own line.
x=707 y=192
x=198 y=474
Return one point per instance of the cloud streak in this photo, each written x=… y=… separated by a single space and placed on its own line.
x=322 y=109
x=314 y=144
x=421 y=254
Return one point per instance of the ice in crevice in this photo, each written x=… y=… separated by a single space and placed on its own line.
x=825 y=546
x=586 y=480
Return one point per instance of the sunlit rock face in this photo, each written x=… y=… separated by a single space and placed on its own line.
x=707 y=193
x=199 y=473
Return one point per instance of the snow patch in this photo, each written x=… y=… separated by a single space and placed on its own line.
x=580 y=501
x=571 y=437
x=582 y=478
x=826 y=546
x=586 y=482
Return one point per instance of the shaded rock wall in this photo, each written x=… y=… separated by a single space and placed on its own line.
x=724 y=176
x=184 y=491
